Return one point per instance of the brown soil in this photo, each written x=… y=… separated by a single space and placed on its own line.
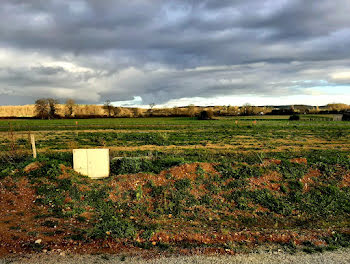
x=20 y=225
x=268 y=162
x=307 y=179
x=18 y=218
x=346 y=181
x=269 y=181
x=131 y=182
x=32 y=167
x=299 y=161
x=16 y=210
x=189 y=170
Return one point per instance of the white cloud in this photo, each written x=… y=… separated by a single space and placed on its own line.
x=341 y=75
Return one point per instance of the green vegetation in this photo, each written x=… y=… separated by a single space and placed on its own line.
x=226 y=194
x=240 y=134
x=270 y=177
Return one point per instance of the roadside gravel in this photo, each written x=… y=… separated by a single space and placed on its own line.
x=336 y=257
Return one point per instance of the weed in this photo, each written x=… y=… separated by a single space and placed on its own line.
x=337 y=240
x=112 y=225
x=49 y=223
x=291 y=170
x=183 y=184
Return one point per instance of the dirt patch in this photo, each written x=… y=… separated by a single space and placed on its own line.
x=299 y=161
x=346 y=181
x=307 y=179
x=17 y=212
x=269 y=181
x=189 y=170
x=32 y=167
x=269 y=162
x=131 y=182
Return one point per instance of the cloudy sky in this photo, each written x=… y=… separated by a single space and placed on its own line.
x=205 y=52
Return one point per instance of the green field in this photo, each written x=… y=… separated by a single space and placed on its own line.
x=271 y=133
x=179 y=185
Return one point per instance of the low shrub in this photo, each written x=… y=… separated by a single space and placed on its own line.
x=206 y=115
x=135 y=165
x=294 y=117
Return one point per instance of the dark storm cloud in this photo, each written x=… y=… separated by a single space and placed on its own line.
x=163 y=50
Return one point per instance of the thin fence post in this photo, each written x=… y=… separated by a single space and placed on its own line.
x=32 y=139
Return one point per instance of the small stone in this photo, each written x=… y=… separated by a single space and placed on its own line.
x=62 y=254
x=44 y=250
x=38 y=241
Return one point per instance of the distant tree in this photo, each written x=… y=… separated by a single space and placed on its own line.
x=191 y=110
x=117 y=111
x=151 y=105
x=206 y=115
x=246 y=109
x=176 y=111
x=338 y=107
x=150 y=110
x=294 y=117
x=108 y=107
x=42 y=108
x=45 y=108
x=232 y=110
x=137 y=112
x=70 y=105
x=52 y=103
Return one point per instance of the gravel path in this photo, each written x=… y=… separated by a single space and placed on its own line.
x=337 y=257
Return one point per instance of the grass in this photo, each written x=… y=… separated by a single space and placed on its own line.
x=222 y=136
x=156 y=189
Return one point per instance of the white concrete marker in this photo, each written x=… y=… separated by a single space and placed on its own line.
x=91 y=162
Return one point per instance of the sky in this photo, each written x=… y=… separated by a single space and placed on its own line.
x=175 y=53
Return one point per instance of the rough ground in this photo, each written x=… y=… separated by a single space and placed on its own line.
x=336 y=257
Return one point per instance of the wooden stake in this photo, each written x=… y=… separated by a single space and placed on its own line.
x=32 y=139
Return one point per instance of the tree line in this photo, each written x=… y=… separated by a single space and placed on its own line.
x=46 y=108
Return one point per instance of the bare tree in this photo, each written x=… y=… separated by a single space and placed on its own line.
x=191 y=110
x=70 y=105
x=247 y=109
x=151 y=105
x=108 y=107
x=176 y=111
x=150 y=110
